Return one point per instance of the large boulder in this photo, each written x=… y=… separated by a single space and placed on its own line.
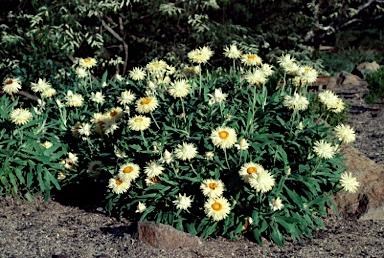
x=368 y=202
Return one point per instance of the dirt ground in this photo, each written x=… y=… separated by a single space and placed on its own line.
x=51 y=229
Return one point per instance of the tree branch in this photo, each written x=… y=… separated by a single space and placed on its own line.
x=118 y=37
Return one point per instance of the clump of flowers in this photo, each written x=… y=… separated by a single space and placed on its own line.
x=206 y=152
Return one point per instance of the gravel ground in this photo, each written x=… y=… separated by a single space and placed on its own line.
x=51 y=229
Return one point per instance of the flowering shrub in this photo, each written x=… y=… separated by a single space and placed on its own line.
x=30 y=151
x=212 y=153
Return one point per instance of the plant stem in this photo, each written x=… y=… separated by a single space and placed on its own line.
x=155 y=121
x=200 y=81
x=142 y=136
x=226 y=158
x=193 y=169
x=184 y=114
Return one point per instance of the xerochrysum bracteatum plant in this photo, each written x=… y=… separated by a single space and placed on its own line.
x=214 y=153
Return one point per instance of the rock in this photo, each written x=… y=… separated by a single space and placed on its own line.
x=344 y=83
x=166 y=237
x=364 y=68
x=368 y=202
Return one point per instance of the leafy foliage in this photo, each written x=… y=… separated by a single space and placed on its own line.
x=376 y=86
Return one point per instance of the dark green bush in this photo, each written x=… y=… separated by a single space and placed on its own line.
x=375 y=86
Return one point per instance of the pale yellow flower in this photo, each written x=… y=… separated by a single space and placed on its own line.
x=248 y=169
x=84 y=129
x=212 y=188
x=217 y=97
x=179 y=89
x=348 y=182
x=74 y=99
x=296 y=102
x=118 y=185
x=20 y=116
x=126 y=97
x=71 y=161
x=242 y=145
x=329 y=99
x=324 y=149
x=183 y=202
x=262 y=181
x=339 y=107
x=217 y=208
x=209 y=155
x=47 y=144
x=97 y=97
x=308 y=75
x=61 y=175
x=232 y=52
x=186 y=151
x=201 y=55
x=87 y=63
x=251 y=59
x=115 y=114
x=345 y=133
x=109 y=126
x=129 y=171
x=48 y=93
x=153 y=168
x=224 y=137
x=255 y=77
x=157 y=67
x=137 y=74
x=276 y=204
x=81 y=72
x=267 y=70
x=147 y=104
x=41 y=85
x=139 y=123
x=11 y=85
x=167 y=157
x=288 y=64
x=141 y=207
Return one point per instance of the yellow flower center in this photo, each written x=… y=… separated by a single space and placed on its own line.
x=138 y=120
x=251 y=56
x=217 y=206
x=87 y=60
x=223 y=135
x=118 y=181
x=9 y=82
x=251 y=170
x=113 y=113
x=212 y=186
x=156 y=64
x=307 y=69
x=146 y=101
x=128 y=169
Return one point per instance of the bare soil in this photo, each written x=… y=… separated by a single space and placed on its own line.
x=52 y=229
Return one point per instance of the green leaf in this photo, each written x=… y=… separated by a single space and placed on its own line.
x=29 y=196
x=191 y=228
x=295 y=197
x=49 y=178
x=12 y=179
x=40 y=177
x=19 y=174
x=277 y=237
x=146 y=212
